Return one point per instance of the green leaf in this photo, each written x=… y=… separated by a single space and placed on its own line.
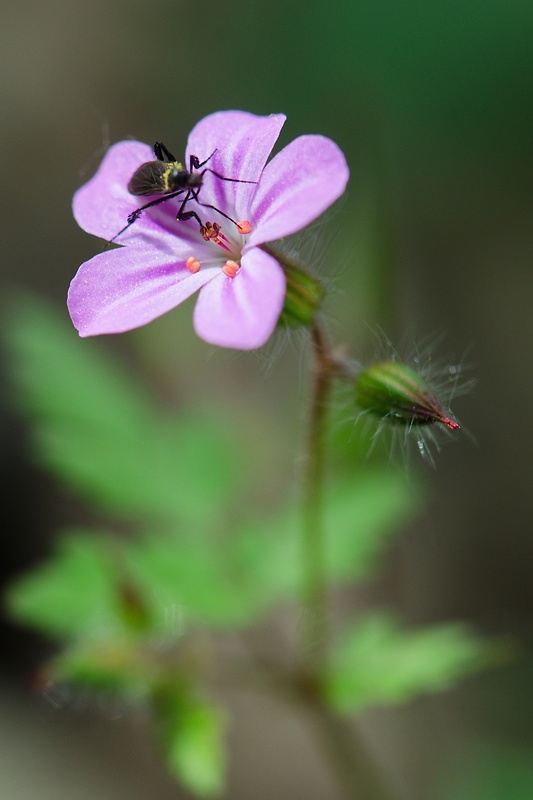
x=192 y=735
x=264 y=559
x=361 y=517
x=98 y=431
x=379 y=663
x=187 y=577
x=72 y=594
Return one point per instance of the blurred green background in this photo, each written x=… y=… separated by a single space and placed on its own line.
x=432 y=104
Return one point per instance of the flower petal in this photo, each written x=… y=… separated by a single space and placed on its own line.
x=101 y=206
x=300 y=182
x=242 y=312
x=125 y=288
x=241 y=143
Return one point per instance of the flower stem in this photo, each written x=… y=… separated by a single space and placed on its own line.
x=357 y=776
x=314 y=641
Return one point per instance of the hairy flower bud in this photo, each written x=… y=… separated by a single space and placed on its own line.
x=303 y=297
x=398 y=394
x=303 y=292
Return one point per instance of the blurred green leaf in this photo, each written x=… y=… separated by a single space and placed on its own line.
x=98 y=431
x=379 y=663
x=188 y=580
x=191 y=732
x=361 y=517
x=232 y=579
x=116 y=664
x=72 y=594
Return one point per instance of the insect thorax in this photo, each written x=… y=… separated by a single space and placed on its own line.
x=176 y=177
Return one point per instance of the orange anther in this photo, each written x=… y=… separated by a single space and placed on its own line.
x=192 y=264
x=244 y=227
x=231 y=268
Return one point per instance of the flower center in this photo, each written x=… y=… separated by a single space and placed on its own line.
x=212 y=232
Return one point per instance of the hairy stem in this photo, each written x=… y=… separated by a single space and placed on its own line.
x=314 y=587
x=357 y=776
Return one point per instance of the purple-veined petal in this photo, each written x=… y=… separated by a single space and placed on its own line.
x=125 y=288
x=243 y=143
x=242 y=312
x=300 y=182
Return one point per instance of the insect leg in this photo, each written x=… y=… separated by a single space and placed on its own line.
x=134 y=216
x=195 y=163
x=185 y=215
x=208 y=205
x=194 y=193
x=162 y=154
x=223 y=177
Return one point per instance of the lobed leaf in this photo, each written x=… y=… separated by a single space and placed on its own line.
x=191 y=733
x=72 y=594
x=264 y=558
x=98 y=431
x=362 y=516
x=378 y=663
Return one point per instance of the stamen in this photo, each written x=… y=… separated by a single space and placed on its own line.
x=193 y=265
x=212 y=232
x=244 y=226
x=231 y=268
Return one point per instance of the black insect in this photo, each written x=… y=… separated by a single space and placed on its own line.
x=167 y=177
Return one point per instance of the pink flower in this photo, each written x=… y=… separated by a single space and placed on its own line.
x=165 y=260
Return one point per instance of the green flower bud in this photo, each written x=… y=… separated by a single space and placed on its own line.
x=398 y=394
x=303 y=296
x=303 y=292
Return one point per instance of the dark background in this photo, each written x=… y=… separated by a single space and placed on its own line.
x=432 y=104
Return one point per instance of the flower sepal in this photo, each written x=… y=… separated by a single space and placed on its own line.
x=303 y=294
